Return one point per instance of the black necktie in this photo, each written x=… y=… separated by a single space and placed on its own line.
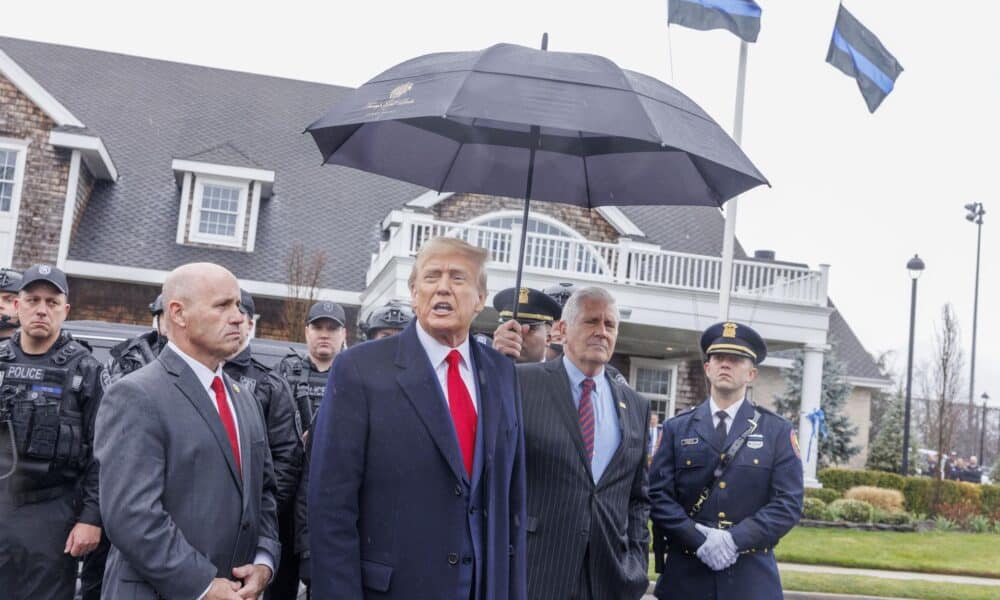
x=720 y=429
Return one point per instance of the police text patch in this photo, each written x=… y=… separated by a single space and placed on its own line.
x=689 y=441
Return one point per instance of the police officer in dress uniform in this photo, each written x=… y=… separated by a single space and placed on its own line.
x=284 y=436
x=726 y=482
x=536 y=313
x=50 y=390
x=10 y=285
x=326 y=336
x=386 y=320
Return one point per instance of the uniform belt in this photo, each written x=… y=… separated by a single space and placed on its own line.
x=36 y=496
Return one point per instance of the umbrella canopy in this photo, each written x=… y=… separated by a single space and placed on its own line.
x=566 y=127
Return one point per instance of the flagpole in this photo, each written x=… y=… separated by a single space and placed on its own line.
x=729 y=236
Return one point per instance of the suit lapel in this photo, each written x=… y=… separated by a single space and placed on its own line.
x=490 y=412
x=562 y=400
x=741 y=423
x=187 y=383
x=703 y=425
x=242 y=422
x=420 y=386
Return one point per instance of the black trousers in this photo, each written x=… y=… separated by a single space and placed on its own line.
x=33 y=565
x=285 y=584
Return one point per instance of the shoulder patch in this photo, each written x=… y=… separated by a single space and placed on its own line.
x=795 y=444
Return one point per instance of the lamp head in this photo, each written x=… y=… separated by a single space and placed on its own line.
x=915 y=266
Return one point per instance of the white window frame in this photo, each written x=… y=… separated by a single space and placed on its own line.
x=21 y=147
x=540 y=217
x=196 y=201
x=635 y=363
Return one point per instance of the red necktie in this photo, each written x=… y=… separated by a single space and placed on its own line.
x=586 y=411
x=227 y=419
x=463 y=413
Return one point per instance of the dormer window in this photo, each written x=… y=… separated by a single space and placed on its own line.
x=220 y=203
x=219 y=212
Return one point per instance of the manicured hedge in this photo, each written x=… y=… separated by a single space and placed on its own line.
x=844 y=479
x=923 y=496
x=825 y=494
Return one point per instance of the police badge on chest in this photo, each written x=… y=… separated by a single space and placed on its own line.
x=755 y=441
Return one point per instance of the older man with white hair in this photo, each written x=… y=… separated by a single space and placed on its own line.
x=585 y=438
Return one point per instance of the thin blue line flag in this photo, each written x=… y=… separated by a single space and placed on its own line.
x=741 y=17
x=857 y=52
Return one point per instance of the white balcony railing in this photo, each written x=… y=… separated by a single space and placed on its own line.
x=627 y=262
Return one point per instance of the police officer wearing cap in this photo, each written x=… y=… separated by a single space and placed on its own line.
x=527 y=338
x=10 y=285
x=51 y=389
x=284 y=437
x=325 y=338
x=726 y=482
x=386 y=320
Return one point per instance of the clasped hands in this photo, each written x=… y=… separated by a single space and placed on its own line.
x=250 y=583
x=719 y=550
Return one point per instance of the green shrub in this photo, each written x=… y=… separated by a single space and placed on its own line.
x=925 y=495
x=845 y=479
x=853 y=511
x=943 y=524
x=892 y=517
x=827 y=495
x=990 y=498
x=979 y=524
x=813 y=508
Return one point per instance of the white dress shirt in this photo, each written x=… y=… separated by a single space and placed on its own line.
x=438 y=354
x=205 y=377
x=731 y=411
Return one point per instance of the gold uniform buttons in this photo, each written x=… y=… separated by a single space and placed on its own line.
x=688 y=462
x=756 y=461
x=722 y=515
x=722 y=485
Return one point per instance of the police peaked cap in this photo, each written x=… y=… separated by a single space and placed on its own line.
x=533 y=306
x=10 y=281
x=733 y=338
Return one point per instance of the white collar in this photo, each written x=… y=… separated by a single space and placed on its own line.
x=732 y=411
x=438 y=352
x=203 y=373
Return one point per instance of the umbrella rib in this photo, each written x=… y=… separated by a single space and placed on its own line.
x=586 y=173
x=451 y=165
x=715 y=192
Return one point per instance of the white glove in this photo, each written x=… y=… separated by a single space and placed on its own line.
x=719 y=550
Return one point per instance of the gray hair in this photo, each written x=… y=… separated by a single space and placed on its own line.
x=571 y=311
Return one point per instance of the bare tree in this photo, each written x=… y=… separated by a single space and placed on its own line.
x=304 y=274
x=943 y=384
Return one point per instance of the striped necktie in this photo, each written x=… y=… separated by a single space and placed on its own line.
x=586 y=410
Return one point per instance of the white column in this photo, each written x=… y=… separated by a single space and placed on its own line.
x=812 y=392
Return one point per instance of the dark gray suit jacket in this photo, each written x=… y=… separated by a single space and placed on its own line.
x=568 y=514
x=174 y=506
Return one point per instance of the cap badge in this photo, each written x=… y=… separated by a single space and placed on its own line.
x=729 y=330
x=44 y=270
x=522 y=297
x=327 y=306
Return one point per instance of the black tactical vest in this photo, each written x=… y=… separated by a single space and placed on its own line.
x=308 y=384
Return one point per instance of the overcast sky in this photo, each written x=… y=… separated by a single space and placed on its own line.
x=860 y=192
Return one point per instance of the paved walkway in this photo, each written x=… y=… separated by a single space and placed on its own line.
x=904 y=575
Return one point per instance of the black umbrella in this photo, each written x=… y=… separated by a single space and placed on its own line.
x=556 y=126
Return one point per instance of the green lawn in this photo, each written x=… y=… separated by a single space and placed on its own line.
x=949 y=552
x=874 y=586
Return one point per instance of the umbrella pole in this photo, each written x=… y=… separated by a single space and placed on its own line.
x=535 y=131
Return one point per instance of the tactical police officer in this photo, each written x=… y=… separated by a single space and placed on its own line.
x=10 y=285
x=50 y=390
x=726 y=482
x=526 y=338
x=386 y=320
x=284 y=436
x=136 y=352
x=325 y=338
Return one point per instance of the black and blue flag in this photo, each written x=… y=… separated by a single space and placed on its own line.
x=741 y=17
x=857 y=52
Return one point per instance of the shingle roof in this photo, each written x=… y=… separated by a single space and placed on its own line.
x=856 y=359
x=150 y=112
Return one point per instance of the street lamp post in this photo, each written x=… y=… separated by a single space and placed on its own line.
x=974 y=215
x=982 y=432
x=915 y=266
